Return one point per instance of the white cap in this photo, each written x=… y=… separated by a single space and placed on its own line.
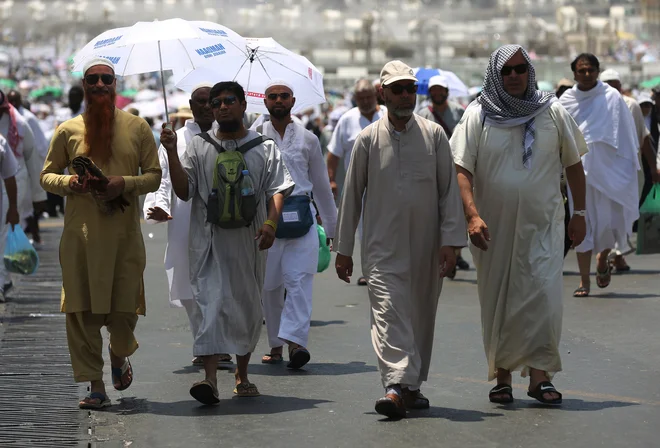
x=645 y=98
x=97 y=61
x=278 y=82
x=438 y=80
x=201 y=85
x=610 y=75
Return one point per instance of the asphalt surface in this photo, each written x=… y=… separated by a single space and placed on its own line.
x=610 y=345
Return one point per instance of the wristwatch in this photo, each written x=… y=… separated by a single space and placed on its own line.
x=580 y=212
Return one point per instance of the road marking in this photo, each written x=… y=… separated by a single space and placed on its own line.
x=578 y=393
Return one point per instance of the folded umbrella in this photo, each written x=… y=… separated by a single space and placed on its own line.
x=89 y=174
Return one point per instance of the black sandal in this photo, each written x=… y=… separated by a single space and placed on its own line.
x=544 y=388
x=501 y=389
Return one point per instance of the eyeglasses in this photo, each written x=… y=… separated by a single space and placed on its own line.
x=398 y=89
x=587 y=71
x=228 y=101
x=519 y=69
x=283 y=95
x=94 y=79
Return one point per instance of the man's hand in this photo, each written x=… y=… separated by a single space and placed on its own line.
x=478 y=231
x=577 y=230
x=77 y=186
x=655 y=176
x=333 y=187
x=447 y=260
x=12 y=216
x=168 y=138
x=344 y=267
x=267 y=235
x=114 y=188
x=158 y=214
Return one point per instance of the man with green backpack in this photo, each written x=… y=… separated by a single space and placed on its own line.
x=237 y=182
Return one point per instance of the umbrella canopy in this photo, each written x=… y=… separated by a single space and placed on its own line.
x=46 y=91
x=456 y=87
x=651 y=83
x=7 y=84
x=264 y=60
x=546 y=86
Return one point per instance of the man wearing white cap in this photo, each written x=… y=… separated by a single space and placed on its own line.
x=413 y=221
x=447 y=114
x=102 y=250
x=163 y=206
x=612 y=78
x=293 y=259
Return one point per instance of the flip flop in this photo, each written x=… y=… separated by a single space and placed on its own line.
x=501 y=389
x=581 y=292
x=103 y=399
x=272 y=358
x=198 y=361
x=205 y=392
x=603 y=279
x=298 y=357
x=542 y=388
x=119 y=372
x=246 y=390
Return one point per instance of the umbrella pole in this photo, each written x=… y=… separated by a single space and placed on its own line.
x=162 y=83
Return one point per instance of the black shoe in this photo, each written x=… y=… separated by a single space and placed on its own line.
x=7 y=286
x=462 y=264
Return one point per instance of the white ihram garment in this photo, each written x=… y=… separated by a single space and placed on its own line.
x=292 y=262
x=8 y=168
x=176 y=252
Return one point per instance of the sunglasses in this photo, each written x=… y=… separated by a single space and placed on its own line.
x=94 y=79
x=283 y=95
x=228 y=101
x=519 y=69
x=398 y=89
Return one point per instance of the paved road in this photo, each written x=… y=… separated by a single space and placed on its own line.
x=610 y=346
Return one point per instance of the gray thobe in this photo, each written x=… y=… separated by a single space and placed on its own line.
x=412 y=207
x=226 y=266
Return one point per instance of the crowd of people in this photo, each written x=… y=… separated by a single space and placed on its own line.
x=241 y=196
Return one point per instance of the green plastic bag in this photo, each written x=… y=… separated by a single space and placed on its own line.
x=324 y=250
x=648 y=226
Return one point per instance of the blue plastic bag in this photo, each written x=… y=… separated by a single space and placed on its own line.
x=20 y=256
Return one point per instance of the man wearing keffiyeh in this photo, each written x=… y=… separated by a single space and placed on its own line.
x=510 y=148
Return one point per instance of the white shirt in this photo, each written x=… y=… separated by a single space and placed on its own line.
x=8 y=168
x=348 y=127
x=303 y=158
x=40 y=142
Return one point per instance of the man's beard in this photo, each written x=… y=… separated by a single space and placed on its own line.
x=279 y=113
x=403 y=113
x=229 y=125
x=442 y=101
x=99 y=123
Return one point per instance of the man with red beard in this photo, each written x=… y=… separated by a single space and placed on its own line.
x=102 y=254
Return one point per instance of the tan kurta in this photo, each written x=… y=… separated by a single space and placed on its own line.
x=103 y=257
x=519 y=278
x=412 y=207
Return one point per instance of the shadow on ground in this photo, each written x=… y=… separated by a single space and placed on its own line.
x=325 y=323
x=311 y=369
x=451 y=414
x=263 y=405
x=569 y=404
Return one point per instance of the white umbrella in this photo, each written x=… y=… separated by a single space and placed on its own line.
x=163 y=45
x=263 y=61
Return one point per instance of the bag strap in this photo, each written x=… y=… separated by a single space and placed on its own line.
x=440 y=121
x=207 y=137
x=252 y=143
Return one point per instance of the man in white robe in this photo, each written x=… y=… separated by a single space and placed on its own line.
x=510 y=148
x=8 y=198
x=227 y=265
x=413 y=222
x=292 y=262
x=163 y=206
x=610 y=166
x=21 y=142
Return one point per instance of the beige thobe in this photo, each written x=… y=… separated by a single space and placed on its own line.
x=412 y=207
x=519 y=278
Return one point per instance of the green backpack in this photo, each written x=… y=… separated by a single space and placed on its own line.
x=226 y=206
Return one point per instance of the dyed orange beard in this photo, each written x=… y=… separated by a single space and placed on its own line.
x=99 y=119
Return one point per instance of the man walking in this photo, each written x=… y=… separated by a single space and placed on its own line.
x=102 y=250
x=402 y=162
x=510 y=148
x=8 y=209
x=164 y=206
x=293 y=259
x=237 y=183
x=610 y=167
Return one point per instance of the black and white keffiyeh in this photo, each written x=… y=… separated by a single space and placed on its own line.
x=503 y=110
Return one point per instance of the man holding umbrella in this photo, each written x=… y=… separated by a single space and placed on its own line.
x=102 y=252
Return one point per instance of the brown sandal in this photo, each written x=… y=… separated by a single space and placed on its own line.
x=582 y=291
x=246 y=390
x=205 y=392
x=603 y=279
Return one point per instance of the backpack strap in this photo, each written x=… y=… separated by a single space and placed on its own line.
x=209 y=139
x=252 y=143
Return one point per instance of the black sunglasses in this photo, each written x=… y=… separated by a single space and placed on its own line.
x=93 y=79
x=398 y=89
x=228 y=100
x=519 y=69
x=283 y=95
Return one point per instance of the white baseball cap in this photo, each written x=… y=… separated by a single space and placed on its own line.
x=610 y=75
x=438 y=80
x=645 y=98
